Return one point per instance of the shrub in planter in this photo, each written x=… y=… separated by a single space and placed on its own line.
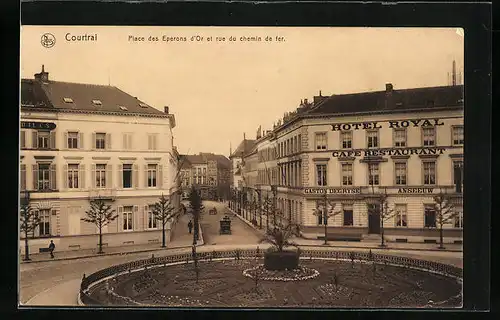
x=281 y=260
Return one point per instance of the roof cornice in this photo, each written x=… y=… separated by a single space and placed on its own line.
x=129 y=114
x=344 y=114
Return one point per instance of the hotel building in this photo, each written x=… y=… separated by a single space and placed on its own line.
x=405 y=143
x=81 y=142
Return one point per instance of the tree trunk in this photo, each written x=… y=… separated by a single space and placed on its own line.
x=100 y=240
x=324 y=222
x=382 y=241
x=441 y=246
x=163 y=234
x=26 y=247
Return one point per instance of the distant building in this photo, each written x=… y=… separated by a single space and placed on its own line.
x=210 y=173
x=406 y=143
x=81 y=142
x=236 y=157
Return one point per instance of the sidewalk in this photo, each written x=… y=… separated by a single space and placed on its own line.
x=182 y=239
x=409 y=246
x=111 y=251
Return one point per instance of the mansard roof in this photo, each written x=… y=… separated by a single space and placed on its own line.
x=428 y=98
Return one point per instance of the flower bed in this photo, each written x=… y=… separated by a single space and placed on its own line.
x=301 y=273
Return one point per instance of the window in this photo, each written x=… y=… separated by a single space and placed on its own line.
x=151 y=218
x=100 y=141
x=152 y=169
x=429 y=217
x=429 y=172
x=152 y=142
x=68 y=100
x=348 y=219
x=459 y=218
x=321 y=141
x=73 y=176
x=72 y=140
x=373 y=174
x=320 y=216
x=428 y=136
x=321 y=174
x=97 y=102
x=44 y=225
x=401 y=215
x=400 y=137
x=23 y=177
x=127 y=176
x=347 y=174
x=458 y=175
x=143 y=105
x=299 y=147
x=43 y=177
x=457 y=135
x=127 y=218
x=100 y=176
x=400 y=173
x=127 y=141
x=123 y=108
x=43 y=139
x=23 y=139
x=372 y=138
x=346 y=138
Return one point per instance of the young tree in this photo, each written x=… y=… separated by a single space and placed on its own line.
x=100 y=214
x=196 y=205
x=279 y=237
x=163 y=211
x=444 y=208
x=325 y=210
x=381 y=207
x=267 y=208
x=29 y=221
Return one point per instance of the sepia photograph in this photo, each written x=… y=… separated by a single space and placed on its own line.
x=241 y=167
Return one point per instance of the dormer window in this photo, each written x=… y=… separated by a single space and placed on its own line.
x=123 y=108
x=68 y=100
x=97 y=102
x=143 y=105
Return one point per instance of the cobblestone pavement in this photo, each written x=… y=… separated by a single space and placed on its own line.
x=56 y=282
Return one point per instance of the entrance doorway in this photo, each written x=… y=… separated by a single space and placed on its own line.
x=373 y=219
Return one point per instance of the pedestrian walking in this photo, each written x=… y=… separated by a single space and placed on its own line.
x=190 y=226
x=52 y=246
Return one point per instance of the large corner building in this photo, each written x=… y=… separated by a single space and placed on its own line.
x=406 y=143
x=81 y=142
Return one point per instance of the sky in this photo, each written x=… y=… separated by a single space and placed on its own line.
x=220 y=90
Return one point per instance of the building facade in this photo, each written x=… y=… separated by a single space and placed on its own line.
x=406 y=144
x=209 y=172
x=80 y=142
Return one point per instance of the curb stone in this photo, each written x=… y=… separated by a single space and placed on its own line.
x=354 y=247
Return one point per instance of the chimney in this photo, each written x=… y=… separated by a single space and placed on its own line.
x=42 y=76
x=389 y=101
x=165 y=109
x=305 y=102
x=244 y=136
x=320 y=93
x=388 y=87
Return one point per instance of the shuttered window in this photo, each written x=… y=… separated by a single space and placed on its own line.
x=23 y=177
x=23 y=139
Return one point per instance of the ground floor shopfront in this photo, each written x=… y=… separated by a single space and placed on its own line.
x=61 y=221
x=412 y=217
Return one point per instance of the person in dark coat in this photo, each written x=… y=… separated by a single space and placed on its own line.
x=190 y=226
x=52 y=246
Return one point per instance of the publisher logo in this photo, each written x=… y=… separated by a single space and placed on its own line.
x=48 y=40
